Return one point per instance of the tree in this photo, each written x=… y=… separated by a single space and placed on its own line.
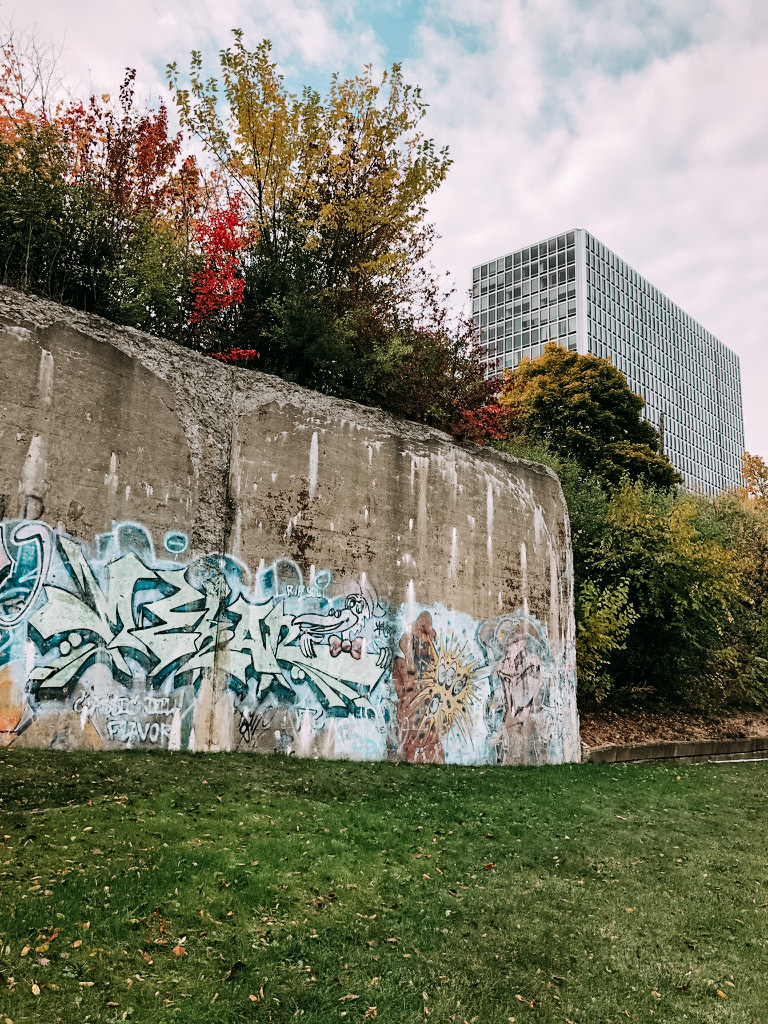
x=737 y=670
x=334 y=191
x=99 y=207
x=344 y=179
x=683 y=585
x=755 y=473
x=582 y=409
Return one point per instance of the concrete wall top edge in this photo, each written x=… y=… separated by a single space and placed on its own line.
x=247 y=390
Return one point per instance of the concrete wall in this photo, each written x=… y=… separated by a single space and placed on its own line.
x=199 y=557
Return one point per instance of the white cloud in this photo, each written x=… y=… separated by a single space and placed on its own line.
x=309 y=36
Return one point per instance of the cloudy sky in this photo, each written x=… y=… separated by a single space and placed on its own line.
x=645 y=122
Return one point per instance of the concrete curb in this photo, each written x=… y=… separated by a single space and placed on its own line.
x=677 y=750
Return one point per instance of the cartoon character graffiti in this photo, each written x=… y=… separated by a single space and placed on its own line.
x=340 y=627
x=521 y=668
x=437 y=682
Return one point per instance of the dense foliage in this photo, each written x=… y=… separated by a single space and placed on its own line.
x=96 y=202
x=671 y=591
x=581 y=408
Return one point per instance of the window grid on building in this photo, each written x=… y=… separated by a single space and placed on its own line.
x=572 y=290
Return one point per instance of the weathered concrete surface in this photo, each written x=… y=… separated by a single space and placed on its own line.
x=200 y=556
x=678 y=750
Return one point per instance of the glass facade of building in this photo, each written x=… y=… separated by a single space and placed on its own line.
x=572 y=290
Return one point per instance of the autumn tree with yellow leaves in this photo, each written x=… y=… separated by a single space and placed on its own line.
x=336 y=293
x=755 y=473
x=344 y=179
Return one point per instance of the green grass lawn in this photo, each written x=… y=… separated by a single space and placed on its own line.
x=218 y=888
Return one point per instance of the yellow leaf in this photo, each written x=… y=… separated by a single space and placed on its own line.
x=25 y=951
x=721 y=994
x=77 y=943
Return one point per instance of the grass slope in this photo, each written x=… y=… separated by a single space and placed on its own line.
x=231 y=888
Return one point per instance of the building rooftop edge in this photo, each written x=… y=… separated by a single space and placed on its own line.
x=647 y=280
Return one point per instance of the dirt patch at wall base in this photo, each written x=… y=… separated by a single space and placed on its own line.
x=639 y=725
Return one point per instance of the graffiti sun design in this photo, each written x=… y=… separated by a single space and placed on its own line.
x=449 y=688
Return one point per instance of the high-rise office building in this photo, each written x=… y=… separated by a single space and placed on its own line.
x=572 y=290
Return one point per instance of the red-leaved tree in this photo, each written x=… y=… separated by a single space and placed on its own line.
x=219 y=285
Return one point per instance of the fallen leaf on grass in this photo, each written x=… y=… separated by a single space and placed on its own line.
x=522 y=999
x=348 y=998
x=371 y=1012
x=113 y=1004
x=146 y=957
x=25 y=951
x=720 y=994
x=179 y=950
x=35 y=989
x=490 y=867
x=77 y=943
x=655 y=994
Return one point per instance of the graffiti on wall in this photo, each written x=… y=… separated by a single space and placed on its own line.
x=114 y=644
